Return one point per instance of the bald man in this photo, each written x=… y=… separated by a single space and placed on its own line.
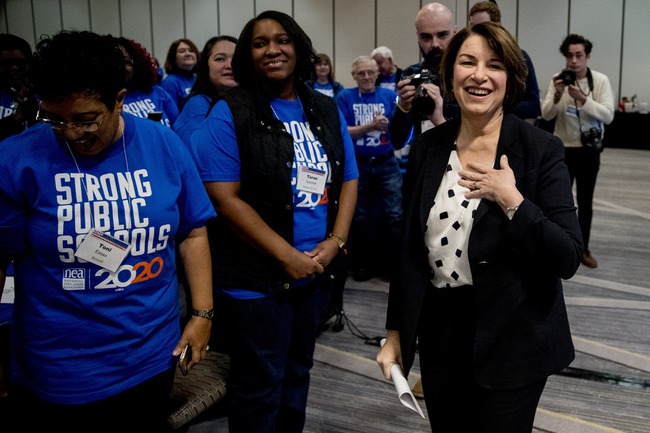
x=434 y=26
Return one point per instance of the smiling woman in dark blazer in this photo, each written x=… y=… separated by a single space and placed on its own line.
x=490 y=229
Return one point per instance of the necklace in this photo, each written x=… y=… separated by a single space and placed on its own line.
x=299 y=102
x=83 y=180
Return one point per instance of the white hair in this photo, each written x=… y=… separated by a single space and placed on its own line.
x=385 y=52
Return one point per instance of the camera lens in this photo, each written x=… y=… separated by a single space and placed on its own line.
x=422 y=103
x=568 y=76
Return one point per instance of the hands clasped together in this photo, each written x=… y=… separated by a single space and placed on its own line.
x=309 y=264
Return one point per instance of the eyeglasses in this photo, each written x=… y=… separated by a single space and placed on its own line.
x=362 y=74
x=128 y=62
x=91 y=126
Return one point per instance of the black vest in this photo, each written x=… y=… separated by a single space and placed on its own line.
x=266 y=153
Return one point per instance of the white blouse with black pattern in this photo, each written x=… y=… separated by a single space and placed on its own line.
x=448 y=227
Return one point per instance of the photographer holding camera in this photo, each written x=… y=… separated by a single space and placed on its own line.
x=420 y=104
x=581 y=102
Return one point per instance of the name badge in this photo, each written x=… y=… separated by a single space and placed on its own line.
x=103 y=250
x=311 y=180
x=571 y=111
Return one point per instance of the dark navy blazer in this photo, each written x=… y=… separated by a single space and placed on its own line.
x=522 y=330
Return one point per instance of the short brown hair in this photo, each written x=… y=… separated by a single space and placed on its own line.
x=170 y=62
x=504 y=46
x=324 y=58
x=490 y=7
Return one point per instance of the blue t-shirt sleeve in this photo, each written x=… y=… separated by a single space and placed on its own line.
x=195 y=207
x=174 y=86
x=14 y=211
x=214 y=146
x=344 y=107
x=169 y=84
x=191 y=117
x=351 y=170
x=169 y=106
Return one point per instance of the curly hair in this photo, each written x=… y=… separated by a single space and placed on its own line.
x=574 y=39
x=203 y=85
x=144 y=71
x=78 y=62
x=242 y=62
x=504 y=46
x=9 y=42
x=170 y=62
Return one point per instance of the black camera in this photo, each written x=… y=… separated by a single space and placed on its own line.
x=592 y=138
x=422 y=103
x=568 y=76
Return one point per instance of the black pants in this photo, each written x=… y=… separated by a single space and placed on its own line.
x=141 y=409
x=583 y=164
x=455 y=402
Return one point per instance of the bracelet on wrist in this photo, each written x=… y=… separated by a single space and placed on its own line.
x=338 y=240
x=402 y=109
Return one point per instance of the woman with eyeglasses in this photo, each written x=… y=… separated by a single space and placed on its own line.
x=180 y=66
x=144 y=98
x=94 y=206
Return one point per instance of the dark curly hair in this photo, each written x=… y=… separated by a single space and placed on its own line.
x=144 y=71
x=203 y=85
x=78 y=62
x=9 y=42
x=242 y=62
x=574 y=39
x=504 y=46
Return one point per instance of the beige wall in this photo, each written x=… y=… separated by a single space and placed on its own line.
x=345 y=29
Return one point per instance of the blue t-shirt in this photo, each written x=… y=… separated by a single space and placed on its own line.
x=359 y=109
x=216 y=153
x=140 y=104
x=325 y=89
x=179 y=87
x=7 y=105
x=6 y=308
x=191 y=116
x=81 y=333
x=389 y=82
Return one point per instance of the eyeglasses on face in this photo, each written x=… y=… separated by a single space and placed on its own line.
x=90 y=126
x=365 y=73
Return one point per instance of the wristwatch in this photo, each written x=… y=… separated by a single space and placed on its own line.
x=207 y=313
x=510 y=212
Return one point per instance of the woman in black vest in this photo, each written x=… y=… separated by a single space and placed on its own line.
x=278 y=163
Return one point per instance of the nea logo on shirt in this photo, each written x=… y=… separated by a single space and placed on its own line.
x=74 y=279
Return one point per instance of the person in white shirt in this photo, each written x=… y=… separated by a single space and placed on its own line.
x=582 y=103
